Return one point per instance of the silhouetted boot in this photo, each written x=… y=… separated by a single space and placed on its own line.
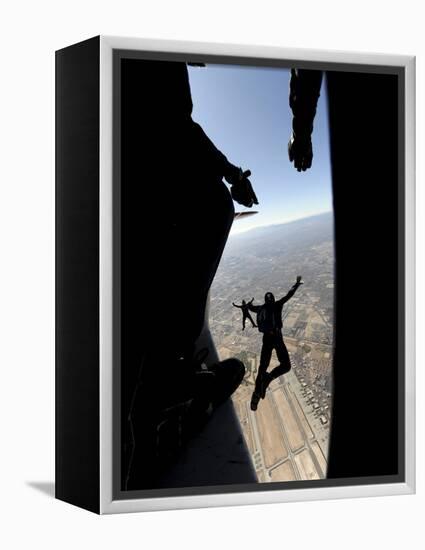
x=210 y=386
x=228 y=375
x=257 y=393
x=255 y=398
x=164 y=421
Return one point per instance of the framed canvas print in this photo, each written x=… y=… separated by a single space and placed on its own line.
x=234 y=274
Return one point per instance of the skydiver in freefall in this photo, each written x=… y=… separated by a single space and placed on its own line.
x=245 y=312
x=269 y=320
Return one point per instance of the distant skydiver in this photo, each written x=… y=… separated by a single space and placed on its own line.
x=245 y=312
x=269 y=320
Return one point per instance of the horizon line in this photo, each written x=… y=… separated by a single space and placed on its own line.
x=291 y=220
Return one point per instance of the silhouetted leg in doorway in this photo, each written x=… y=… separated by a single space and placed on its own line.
x=176 y=214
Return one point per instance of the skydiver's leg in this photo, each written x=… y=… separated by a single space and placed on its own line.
x=266 y=355
x=243 y=321
x=283 y=356
x=180 y=257
x=170 y=257
x=184 y=251
x=284 y=366
x=251 y=319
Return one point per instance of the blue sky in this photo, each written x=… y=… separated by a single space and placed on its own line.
x=246 y=113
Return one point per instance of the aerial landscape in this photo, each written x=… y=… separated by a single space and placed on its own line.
x=288 y=435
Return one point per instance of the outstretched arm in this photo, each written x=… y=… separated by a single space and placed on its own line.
x=253 y=308
x=294 y=288
x=236 y=305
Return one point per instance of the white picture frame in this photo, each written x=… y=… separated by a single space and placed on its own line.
x=108 y=503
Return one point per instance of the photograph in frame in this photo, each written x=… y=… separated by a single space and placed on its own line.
x=253 y=341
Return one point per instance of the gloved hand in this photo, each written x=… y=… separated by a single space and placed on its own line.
x=241 y=188
x=300 y=151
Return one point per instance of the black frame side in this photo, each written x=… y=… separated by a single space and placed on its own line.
x=77 y=274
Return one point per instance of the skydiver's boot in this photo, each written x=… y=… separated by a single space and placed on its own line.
x=211 y=386
x=228 y=375
x=255 y=398
x=166 y=420
x=257 y=393
x=261 y=385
